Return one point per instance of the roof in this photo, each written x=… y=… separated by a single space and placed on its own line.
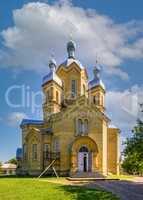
x=19 y=153
x=31 y=121
x=52 y=76
x=112 y=126
x=8 y=166
x=96 y=82
x=69 y=61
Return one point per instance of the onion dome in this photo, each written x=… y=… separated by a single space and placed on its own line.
x=71 y=46
x=96 y=80
x=52 y=76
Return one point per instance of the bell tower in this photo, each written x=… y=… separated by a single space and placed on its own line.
x=52 y=89
x=96 y=90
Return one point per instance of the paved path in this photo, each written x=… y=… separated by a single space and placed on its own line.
x=126 y=190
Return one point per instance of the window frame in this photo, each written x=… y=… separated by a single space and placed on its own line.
x=82 y=127
x=56 y=145
x=24 y=151
x=46 y=150
x=57 y=96
x=73 y=88
x=34 y=152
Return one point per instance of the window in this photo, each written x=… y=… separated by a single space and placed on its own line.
x=73 y=88
x=46 y=151
x=79 y=126
x=57 y=96
x=82 y=127
x=49 y=94
x=83 y=149
x=24 y=151
x=34 y=151
x=85 y=126
x=84 y=90
x=56 y=145
x=96 y=100
x=102 y=100
x=63 y=83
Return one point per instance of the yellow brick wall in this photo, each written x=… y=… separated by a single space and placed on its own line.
x=113 y=150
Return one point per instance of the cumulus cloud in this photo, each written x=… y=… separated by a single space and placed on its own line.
x=123 y=108
x=15 y=118
x=41 y=28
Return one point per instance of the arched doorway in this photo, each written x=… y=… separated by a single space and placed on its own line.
x=83 y=155
x=83 y=159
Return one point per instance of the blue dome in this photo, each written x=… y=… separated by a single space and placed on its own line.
x=71 y=46
x=19 y=153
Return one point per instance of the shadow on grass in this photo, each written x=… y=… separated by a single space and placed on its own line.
x=23 y=176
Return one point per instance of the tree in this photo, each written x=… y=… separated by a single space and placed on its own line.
x=133 y=152
x=0 y=166
x=13 y=161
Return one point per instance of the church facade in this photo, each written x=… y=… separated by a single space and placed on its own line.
x=75 y=134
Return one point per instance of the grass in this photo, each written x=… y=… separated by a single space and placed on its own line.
x=28 y=189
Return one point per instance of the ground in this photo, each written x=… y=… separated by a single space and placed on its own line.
x=45 y=189
x=127 y=188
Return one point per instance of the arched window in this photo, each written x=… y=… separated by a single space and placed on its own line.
x=24 y=151
x=73 y=88
x=79 y=126
x=102 y=100
x=48 y=95
x=63 y=84
x=84 y=90
x=57 y=96
x=96 y=99
x=85 y=126
x=34 y=151
x=56 y=145
x=83 y=149
x=46 y=151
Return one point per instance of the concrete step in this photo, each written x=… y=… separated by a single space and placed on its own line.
x=87 y=175
x=83 y=179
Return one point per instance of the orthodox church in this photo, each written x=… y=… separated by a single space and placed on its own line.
x=75 y=135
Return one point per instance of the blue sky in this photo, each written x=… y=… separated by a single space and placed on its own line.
x=26 y=45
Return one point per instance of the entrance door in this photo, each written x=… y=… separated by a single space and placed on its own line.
x=83 y=160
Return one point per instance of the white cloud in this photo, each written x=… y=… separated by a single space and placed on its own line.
x=123 y=108
x=15 y=118
x=41 y=28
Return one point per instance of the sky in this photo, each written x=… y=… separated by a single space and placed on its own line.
x=31 y=31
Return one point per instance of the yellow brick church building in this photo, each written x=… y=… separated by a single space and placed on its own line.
x=75 y=133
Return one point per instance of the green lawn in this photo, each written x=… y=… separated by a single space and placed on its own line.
x=34 y=189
